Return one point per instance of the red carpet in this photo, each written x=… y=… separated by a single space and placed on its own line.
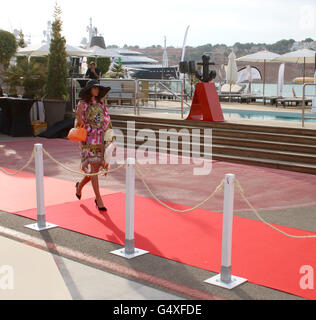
x=267 y=189
x=19 y=192
x=260 y=254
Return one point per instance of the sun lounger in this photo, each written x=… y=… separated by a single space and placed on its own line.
x=234 y=89
x=248 y=98
x=296 y=101
x=272 y=99
x=229 y=97
x=231 y=93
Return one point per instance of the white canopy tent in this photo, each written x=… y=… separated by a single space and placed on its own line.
x=249 y=74
x=41 y=50
x=260 y=57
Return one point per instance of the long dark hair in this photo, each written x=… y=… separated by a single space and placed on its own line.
x=86 y=96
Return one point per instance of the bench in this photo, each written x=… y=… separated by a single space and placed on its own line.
x=122 y=91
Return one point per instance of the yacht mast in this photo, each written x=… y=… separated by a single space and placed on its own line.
x=165 y=62
x=184 y=43
x=183 y=50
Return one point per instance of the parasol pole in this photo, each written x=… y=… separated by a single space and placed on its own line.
x=264 y=76
x=304 y=71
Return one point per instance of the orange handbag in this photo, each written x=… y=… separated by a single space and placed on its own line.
x=78 y=134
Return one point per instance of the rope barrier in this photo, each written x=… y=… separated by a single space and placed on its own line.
x=242 y=193
x=20 y=170
x=138 y=171
x=219 y=188
x=102 y=172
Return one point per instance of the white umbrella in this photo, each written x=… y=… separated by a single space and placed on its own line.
x=41 y=50
x=34 y=50
x=314 y=98
x=231 y=71
x=260 y=57
x=74 y=51
x=299 y=56
x=281 y=80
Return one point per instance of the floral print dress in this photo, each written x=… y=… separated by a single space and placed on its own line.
x=97 y=122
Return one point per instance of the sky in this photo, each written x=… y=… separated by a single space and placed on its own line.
x=145 y=23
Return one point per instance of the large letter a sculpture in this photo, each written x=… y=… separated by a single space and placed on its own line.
x=205 y=104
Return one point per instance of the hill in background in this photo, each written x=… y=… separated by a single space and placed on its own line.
x=219 y=54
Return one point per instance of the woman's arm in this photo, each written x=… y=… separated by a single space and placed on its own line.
x=79 y=120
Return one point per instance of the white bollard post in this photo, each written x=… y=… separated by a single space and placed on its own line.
x=39 y=171
x=129 y=251
x=129 y=207
x=227 y=228
x=225 y=278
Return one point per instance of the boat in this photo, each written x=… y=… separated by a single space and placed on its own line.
x=136 y=64
x=152 y=71
x=141 y=67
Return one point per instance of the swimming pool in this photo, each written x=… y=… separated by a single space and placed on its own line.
x=241 y=114
x=265 y=115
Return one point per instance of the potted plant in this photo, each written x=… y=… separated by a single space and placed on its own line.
x=28 y=78
x=56 y=84
x=116 y=72
x=8 y=47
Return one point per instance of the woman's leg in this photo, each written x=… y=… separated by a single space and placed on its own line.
x=82 y=183
x=95 y=184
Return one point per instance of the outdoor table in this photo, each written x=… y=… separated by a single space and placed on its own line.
x=16 y=120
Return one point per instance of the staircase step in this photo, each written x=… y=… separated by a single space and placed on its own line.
x=237 y=142
x=216 y=125
x=233 y=150
x=307 y=140
x=281 y=165
x=261 y=144
x=281 y=148
x=242 y=134
x=264 y=154
x=276 y=164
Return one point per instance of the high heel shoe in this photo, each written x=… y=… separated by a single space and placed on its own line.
x=77 y=195
x=100 y=208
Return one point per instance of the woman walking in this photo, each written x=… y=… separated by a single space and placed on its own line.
x=93 y=114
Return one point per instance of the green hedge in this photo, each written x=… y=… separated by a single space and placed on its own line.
x=102 y=64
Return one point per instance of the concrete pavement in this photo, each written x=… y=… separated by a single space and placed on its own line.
x=29 y=273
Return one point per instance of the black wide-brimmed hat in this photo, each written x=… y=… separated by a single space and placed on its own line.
x=94 y=83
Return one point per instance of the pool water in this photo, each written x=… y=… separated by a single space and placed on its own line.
x=265 y=115
x=254 y=114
